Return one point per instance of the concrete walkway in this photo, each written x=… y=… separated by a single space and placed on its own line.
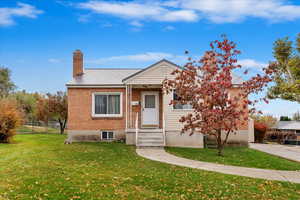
x=159 y=154
x=284 y=151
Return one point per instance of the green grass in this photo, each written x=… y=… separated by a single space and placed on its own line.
x=238 y=156
x=40 y=166
x=36 y=129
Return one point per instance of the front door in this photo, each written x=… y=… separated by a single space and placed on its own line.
x=150 y=109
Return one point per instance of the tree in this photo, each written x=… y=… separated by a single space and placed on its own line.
x=296 y=116
x=10 y=119
x=58 y=105
x=268 y=120
x=285 y=118
x=42 y=109
x=6 y=85
x=287 y=70
x=27 y=102
x=207 y=84
x=260 y=130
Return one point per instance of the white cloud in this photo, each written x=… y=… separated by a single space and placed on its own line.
x=143 y=57
x=250 y=63
x=169 y=28
x=136 y=24
x=135 y=10
x=22 y=10
x=84 y=18
x=54 y=60
x=219 y=11
x=216 y=11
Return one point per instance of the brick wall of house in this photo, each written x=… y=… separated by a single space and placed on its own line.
x=80 y=111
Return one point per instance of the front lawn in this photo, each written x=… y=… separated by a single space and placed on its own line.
x=40 y=166
x=36 y=129
x=239 y=156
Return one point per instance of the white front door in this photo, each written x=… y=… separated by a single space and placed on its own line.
x=150 y=108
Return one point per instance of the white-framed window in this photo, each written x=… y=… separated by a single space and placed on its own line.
x=107 y=135
x=107 y=104
x=179 y=106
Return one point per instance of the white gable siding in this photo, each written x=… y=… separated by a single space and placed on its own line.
x=154 y=75
x=172 y=116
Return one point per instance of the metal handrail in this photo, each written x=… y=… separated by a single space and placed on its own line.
x=136 y=128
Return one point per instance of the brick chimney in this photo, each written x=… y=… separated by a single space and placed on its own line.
x=77 y=63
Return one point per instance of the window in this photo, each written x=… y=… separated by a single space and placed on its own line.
x=149 y=101
x=107 y=105
x=179 y=106
x=107 y=135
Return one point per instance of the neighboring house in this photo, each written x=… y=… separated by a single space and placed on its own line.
x=126 y=103
x=289 y=128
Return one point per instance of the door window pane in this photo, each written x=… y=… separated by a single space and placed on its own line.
x=149 y=101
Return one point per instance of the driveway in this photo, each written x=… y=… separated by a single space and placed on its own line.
x=285 y=151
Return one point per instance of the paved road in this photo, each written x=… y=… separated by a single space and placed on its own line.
x=162 y=156
x=285 y=151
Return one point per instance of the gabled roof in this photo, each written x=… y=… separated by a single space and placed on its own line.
x=151 y=66
x=102 y=76
x=117 y=76
x=288 y=125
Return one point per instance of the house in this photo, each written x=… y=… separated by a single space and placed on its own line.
x=126 y=103
x=289 y=130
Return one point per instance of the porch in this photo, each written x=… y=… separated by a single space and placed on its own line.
x=145 y=120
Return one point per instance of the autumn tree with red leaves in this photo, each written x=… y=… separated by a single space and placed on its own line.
x=53 y=107
x=10 y=119
x=206 y=84
x=58 y=105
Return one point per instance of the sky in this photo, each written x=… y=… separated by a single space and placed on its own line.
x=37 y=37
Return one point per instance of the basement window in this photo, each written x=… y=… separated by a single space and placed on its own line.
x=107 y=135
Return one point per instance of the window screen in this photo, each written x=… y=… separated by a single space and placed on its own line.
x=178 y=105
x=149 y=101
x=107 y=104
x=107 y=135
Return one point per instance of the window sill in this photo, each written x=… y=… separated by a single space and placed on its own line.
x=182 y=110
x=107 y=116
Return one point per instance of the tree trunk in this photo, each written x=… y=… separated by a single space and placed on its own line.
x=62 y=125
x=219 y=143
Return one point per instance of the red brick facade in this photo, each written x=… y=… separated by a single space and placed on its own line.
x=80 y=110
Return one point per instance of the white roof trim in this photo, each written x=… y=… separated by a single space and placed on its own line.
x=95 y=86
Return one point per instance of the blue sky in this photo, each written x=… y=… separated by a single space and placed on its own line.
x=37 y=37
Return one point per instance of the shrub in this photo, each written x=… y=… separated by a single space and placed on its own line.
x=10 y=119
x=260 y=130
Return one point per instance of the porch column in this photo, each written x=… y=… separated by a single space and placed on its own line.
x=130 y=107
x=126 y=109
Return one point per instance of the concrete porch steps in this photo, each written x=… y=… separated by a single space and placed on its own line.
x=150 y=138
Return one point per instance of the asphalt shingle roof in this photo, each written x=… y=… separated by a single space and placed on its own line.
x=288 y=125
x=116 y=76
x=103 y=76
